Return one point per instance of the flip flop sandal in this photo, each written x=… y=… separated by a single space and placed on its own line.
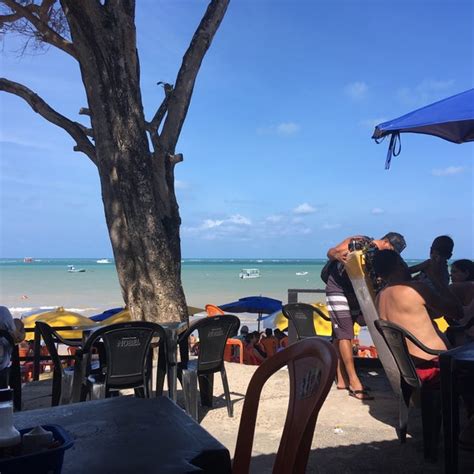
x=365 y=388
x=355 y=393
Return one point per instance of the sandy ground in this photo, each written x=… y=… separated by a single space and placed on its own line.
x=350 y=437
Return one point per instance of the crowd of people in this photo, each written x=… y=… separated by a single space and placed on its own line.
x=258 y=346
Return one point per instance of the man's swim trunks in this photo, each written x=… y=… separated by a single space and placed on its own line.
x=342 y=304
x=428 y=371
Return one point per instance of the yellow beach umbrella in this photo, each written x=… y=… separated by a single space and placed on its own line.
x=60 y=317
x=321 y=326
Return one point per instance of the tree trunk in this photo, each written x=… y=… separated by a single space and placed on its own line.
x=137 y=184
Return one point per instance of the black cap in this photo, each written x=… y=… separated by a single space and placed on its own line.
x=396 y=240
x=6 y=395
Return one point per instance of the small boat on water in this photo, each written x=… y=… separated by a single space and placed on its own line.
x=73 y=269
x=246 y=273
x=301 y=273
x=28 y=260
x=103 y=260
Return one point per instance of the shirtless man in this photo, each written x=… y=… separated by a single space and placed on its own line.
x=344 y=309
x=410 y=303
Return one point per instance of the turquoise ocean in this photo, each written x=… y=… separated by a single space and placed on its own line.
x=46 y=283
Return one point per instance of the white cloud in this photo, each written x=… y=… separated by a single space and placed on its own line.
x=238 y=219
x=274 y=218
x=427 y=91
x=356 y=90
x=283 y=129
x=377 y=211
x=304 y=208
x=287 y=128
x=328 y=226
x=211 y=224
x=449 y=171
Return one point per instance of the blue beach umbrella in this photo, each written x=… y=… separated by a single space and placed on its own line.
x=451 y=119
x=106 y=314
x=253 y=304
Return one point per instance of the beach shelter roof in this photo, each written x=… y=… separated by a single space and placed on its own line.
x=451 y=119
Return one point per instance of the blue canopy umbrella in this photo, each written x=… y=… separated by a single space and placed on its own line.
x=451 y=119
x=253 y=304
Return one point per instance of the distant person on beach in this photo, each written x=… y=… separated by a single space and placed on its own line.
x=269 y=343
x=462 y=277
x=436 y=267
x=282 y=339
x=252 y=354
x=244 y=330
x=344 y=308
x=17 y=331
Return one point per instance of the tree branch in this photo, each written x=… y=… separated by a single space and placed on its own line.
x=41 y=107
x=181 y=96
x=40 y=22
x=162 y=109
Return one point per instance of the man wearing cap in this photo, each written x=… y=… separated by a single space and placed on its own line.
x=344 y=308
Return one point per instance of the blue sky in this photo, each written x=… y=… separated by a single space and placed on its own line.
x=278 y=159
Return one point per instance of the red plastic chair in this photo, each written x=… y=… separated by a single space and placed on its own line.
x=234 y=351
x=312 y=368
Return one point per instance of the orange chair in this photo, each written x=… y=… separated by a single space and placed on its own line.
x=311 y=368
x=229 y=351
x=213 y=310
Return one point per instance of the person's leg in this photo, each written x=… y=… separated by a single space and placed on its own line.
x=347 y=357
x=342 y=380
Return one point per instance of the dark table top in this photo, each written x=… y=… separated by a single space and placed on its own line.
x=131 y=435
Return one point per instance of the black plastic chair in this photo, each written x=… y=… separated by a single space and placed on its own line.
x=62 y=376
x=302 y=317
x=213 y=334
x=395 y=337
x=127 y=360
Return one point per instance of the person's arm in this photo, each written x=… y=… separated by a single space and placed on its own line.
x=340 y=251
x=419 y=267
x=257 y=353
x=441 y=302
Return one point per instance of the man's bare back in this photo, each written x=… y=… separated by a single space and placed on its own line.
x=406 y=304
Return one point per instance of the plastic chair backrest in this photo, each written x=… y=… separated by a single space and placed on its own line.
x=213 y=334
x=311 y=368
x=51 y=338
x=394 y=337
x=301 y=315
x=213 y=310
x=126 y=348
